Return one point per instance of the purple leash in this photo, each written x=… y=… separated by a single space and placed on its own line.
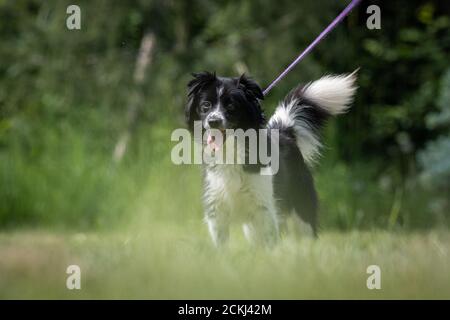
x=332 y=25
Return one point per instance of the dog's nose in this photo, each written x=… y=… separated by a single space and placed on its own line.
x=215 y=123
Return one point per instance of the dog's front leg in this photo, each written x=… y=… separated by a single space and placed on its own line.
x=262 y=228
x=218 y=226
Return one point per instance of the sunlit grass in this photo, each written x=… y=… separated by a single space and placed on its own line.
x=177 y=261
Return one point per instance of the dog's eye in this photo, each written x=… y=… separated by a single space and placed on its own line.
x=205 y=106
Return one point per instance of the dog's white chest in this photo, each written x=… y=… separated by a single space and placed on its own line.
x=226 y=183
x=236 y=192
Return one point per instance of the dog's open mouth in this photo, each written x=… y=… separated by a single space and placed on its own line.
x=215 y=138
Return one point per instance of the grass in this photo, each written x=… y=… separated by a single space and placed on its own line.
x=164 y=261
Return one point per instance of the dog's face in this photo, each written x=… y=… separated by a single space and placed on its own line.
x=224 y=103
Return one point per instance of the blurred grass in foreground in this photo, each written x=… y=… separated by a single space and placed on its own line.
x=164 y=261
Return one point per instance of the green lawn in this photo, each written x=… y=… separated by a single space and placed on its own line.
x=161 y=261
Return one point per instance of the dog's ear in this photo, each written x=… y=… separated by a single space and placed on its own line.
x=200 y=80
x=250 y=86
x=253 y=94
x=194 y=86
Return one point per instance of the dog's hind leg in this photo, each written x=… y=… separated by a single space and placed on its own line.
x=262 y=225
x=302 y=228
x=282 y=223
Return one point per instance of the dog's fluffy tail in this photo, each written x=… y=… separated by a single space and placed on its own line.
x=305 y=110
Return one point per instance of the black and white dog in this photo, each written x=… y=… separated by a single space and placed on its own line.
x=237 y=192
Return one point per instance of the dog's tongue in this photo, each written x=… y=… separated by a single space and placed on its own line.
x=211 y=141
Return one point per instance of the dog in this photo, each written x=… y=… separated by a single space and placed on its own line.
x=238 y=192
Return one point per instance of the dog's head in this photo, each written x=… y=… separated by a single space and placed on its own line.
x=224 y=103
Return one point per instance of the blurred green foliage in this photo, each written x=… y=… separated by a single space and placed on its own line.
x=64 y=97
x=435 y=158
